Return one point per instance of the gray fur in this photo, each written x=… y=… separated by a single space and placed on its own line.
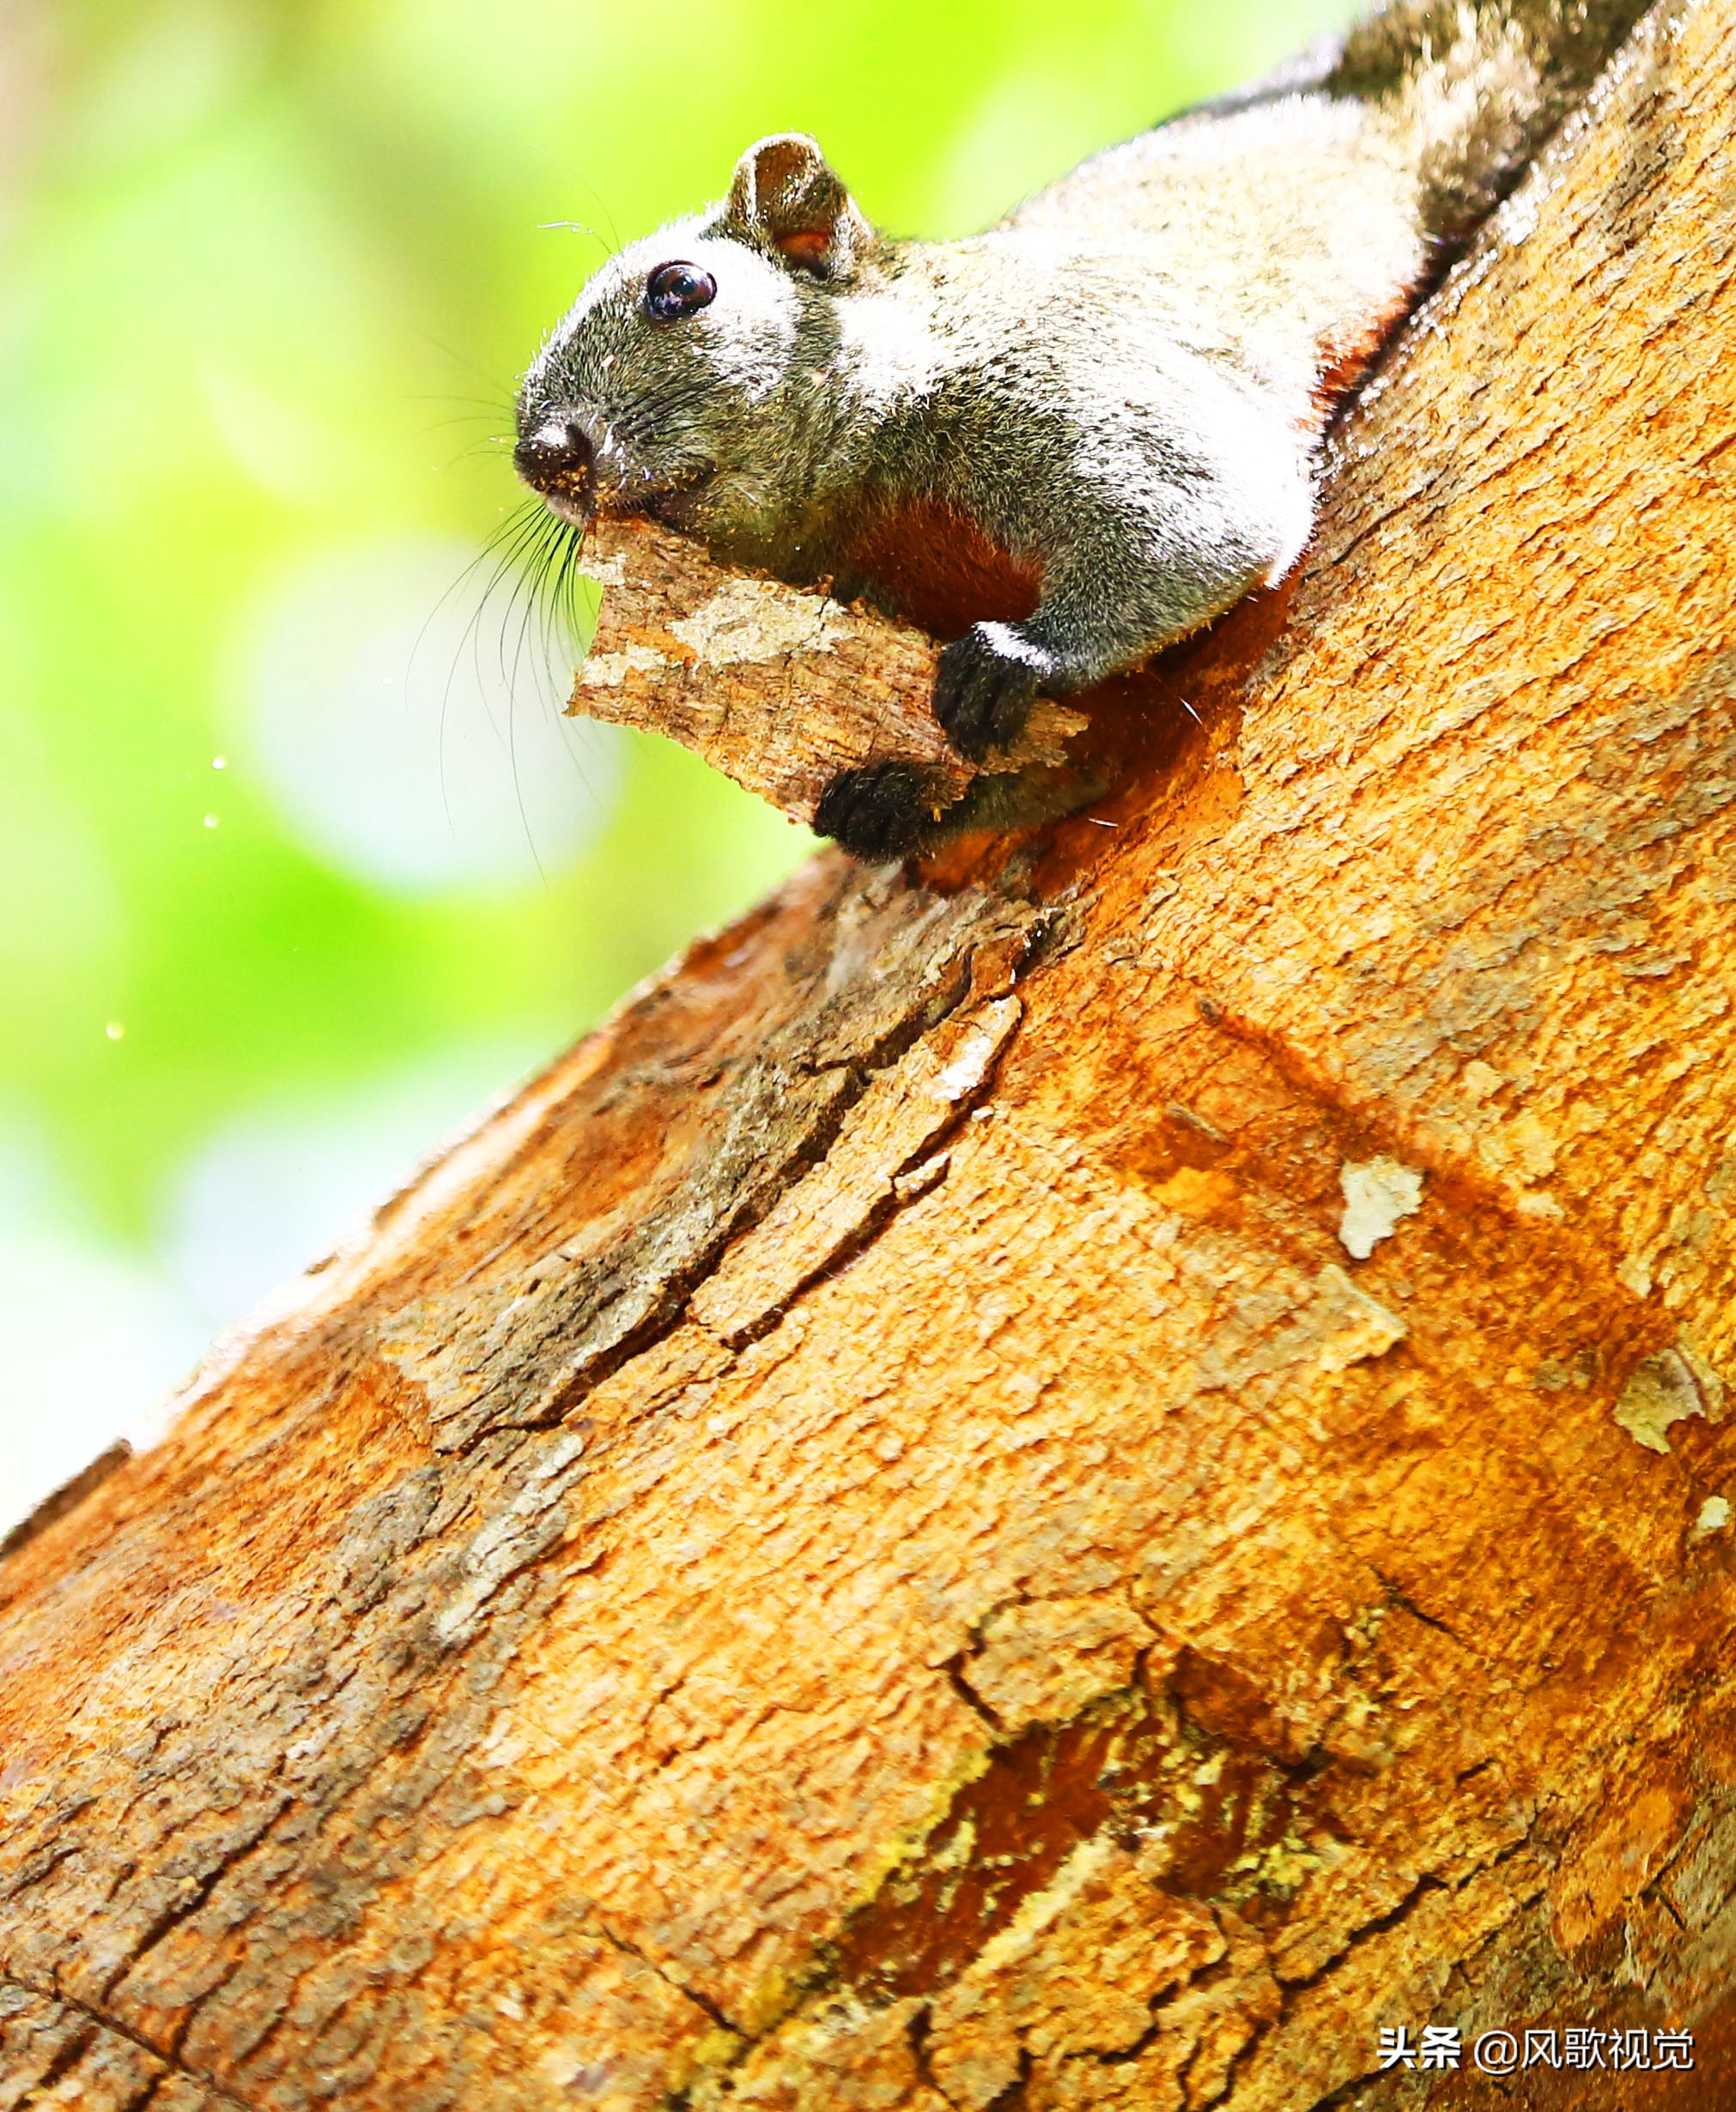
x=1119 y=384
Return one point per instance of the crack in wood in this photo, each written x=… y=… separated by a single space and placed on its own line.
x=102 y=2023
x=1462 y=846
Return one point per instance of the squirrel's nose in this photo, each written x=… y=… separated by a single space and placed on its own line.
x=556 y=456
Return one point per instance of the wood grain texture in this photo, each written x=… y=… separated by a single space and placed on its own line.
x=780 y=687
x=1069 y=1483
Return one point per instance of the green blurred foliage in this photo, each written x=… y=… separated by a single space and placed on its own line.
x=271 y=271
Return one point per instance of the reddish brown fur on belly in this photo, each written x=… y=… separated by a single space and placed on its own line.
x=1345 y=362
x=940 y=570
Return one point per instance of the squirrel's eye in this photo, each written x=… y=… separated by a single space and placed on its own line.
x=676 y=289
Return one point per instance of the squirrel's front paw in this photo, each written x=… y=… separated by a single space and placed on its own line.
x=984 y=687
x=885 y=810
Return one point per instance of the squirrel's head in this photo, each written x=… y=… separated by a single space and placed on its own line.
x=667 y=388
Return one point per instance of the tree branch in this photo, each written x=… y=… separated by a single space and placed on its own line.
x=876 y=1537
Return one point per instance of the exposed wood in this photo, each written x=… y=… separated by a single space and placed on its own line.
x=1072 y=1486
x=781 y=687
x=67 y=1498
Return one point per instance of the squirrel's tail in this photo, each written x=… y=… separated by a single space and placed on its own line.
x=1472 y=87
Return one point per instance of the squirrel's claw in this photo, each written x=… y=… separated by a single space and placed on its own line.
x=984 y=685
x=885 y=810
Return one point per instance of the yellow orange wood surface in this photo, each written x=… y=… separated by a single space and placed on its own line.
x=1071 y=1482
x=781 y=687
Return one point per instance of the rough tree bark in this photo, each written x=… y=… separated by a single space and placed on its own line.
x=1068 y=1483
x=778 y=686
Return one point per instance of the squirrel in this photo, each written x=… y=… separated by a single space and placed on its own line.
x=1068 y=441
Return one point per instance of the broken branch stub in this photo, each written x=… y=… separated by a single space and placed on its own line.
x=780 y=687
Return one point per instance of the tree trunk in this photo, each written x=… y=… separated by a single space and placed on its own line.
x=1076 y=1485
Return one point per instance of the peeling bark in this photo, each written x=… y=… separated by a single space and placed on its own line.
x=781 y=687
x=1067 y=1481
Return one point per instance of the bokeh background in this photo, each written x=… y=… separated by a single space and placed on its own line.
x=299 y=864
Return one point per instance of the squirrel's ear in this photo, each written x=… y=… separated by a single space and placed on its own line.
x=785 y=193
